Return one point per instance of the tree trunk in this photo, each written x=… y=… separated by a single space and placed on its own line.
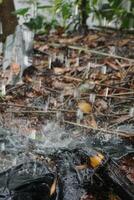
x=83 y=15
x=8 y=20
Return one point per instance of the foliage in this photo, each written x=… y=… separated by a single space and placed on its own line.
x=21 y=11
x=64 y=8
x=73 y=14
x=120 y=11
x=37 y=22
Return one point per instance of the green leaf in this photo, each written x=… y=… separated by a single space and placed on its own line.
x=21 y=11
x=95 y=2
x=35 y=23
x=66 y=11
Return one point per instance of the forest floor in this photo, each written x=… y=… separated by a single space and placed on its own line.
x=83 y=83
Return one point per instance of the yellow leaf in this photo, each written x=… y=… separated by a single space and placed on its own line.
x=95 y=161
x=53 y=187
x=85 y=107
x=100 y=155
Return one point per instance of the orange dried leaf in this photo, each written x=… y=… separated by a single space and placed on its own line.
x=95 y=161
x=85 y=107
x=53 y=187
x=15 y=67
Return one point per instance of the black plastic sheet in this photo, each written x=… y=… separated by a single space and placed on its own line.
x=28 y=181
x=34 y=180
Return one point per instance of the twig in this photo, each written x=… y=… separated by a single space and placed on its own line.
x=108 y=96
x=92 y=51
x=30 y=111
x=124 y=134
x=121 y=94
x=116 y=95
x=120 y=120
x=40 y=111
x=15 y=87
x=52 y=90
x=108 y=28
x=100 y=53
x=113 y=86
x=73 y=78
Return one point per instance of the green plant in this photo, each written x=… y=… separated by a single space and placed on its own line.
x=21 y=11
x=64 y=9
x=36 y=22
x=116 y=11
x=63 y=14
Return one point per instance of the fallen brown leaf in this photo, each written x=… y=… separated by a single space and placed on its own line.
x=70 y=40
x=93 y=122
x=59 y=70
x=123 y=42
x=90 y=121
x=101 y=105
x=90 y=38
x=120 y=119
